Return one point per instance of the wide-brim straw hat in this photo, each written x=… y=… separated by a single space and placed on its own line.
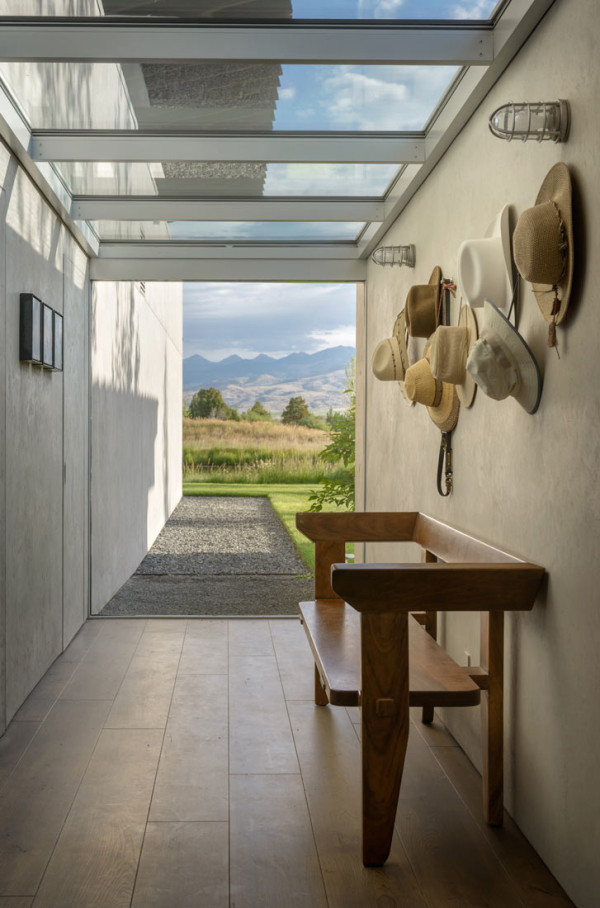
x=400 y=332
x=543 y=243
x=485 y=265
x=439 y=397
x=502 y=363
x=390 y=357
x=422 y=306
x=450 y=348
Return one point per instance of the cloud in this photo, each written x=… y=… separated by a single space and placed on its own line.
x=328 y=179
x=478 y=9
x=287 y=94
x=247 y=319
x=344 y=336
x=379 y=9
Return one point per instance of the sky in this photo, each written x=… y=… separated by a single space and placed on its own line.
x=220 y=319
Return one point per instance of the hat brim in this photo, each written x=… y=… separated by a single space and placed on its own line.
x=530 y=386
x=466 y=390
x=445 y=415
x=500 y=226
x=400 y=333
x=557 y=188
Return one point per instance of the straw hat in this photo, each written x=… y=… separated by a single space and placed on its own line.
x=390 y=357
x=502 y=364
x=450 y=348
x=440 y=398
x=484 y=265
x=422 y=306
x=543 y=245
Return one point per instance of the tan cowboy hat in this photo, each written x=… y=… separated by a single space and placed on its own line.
x=450 y=348
x=543 y=244
x=390 y=357
x=440 y=398
x=422 y=306
x=502 y=364
x=485 y=267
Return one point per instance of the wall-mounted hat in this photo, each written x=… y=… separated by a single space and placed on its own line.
x=484 y=265
x=390 y=357
x=422 y=306
x=543 y=246
x=450 y=348
x=502 y=364
x=439 y=397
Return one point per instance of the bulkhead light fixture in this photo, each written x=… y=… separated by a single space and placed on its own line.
x=543 y=121
x=394 y=255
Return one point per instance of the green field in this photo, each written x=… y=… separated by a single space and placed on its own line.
x=287 y=499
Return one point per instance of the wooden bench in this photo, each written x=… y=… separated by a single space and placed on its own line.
x=368 y=652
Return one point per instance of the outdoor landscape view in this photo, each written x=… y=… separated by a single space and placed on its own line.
x=268 y=395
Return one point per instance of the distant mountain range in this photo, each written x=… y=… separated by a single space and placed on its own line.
x=318 y=377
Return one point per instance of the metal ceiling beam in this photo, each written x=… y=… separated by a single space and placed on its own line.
x=95 y=40
x=132 y=208
x=356 y=148
x=256 y=269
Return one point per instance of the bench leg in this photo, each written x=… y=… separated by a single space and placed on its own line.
x=321 y=698
x=385 y=724
x=492 y=716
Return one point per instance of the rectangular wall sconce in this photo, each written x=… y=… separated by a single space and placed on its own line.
x=40 y=333
x=30 y=334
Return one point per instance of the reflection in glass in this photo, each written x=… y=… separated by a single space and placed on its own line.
x=257 y=9
x=228 y=231
x=228 y=178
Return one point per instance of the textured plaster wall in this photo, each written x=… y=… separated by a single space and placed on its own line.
x=43 y=449
x=136 y=357
x=526 y=483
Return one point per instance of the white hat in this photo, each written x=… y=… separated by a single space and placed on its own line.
x=484 y=265
x=502 y=364
x=390 y=356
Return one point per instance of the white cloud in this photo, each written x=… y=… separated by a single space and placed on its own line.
x=344 y=336
x=328 y=179
x=380 y=9
x=477 y=9
x=287 y=94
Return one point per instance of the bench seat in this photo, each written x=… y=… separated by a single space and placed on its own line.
x=333 y=631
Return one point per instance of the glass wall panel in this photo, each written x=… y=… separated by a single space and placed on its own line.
x=227 y=231
x=226 y=178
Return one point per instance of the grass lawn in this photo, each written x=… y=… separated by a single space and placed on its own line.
x=286 y=498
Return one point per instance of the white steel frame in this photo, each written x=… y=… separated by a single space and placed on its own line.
x=482 y=49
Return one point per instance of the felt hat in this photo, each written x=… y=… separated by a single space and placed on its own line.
x=484 y=265
x=439 y=397
x=502 y=364
x=390 y=357
x=422 y=306
x=543 y=245
x=450 y=348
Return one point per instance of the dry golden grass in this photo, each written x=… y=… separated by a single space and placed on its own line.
x=213 y=433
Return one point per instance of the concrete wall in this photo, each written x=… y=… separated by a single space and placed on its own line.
x=44 y=444
x=136 y=438
x=526 y=483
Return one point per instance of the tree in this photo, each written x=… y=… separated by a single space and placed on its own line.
x=208 y=403
x=341 y=447
x=257 y=412
x=295 y=412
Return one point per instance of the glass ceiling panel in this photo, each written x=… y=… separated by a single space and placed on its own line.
x=228 y=231
x=226 y=97
x=256 y=9
x=227 y=178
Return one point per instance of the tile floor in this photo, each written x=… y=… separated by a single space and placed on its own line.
x=181 y=762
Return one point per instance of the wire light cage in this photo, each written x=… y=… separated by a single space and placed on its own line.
x=394 y=255
x=541 y=120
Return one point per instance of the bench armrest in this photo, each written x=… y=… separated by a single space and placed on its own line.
x=437 y=586
x=382 y=526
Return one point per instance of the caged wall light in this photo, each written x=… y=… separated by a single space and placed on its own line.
x=542 y=120
x=394 y=255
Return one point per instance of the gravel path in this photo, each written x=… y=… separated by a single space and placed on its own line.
x=217 y=556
